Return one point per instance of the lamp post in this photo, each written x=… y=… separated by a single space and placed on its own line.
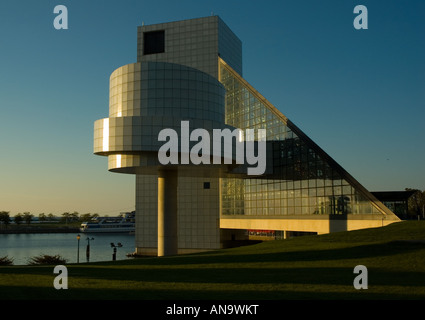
x=114 y=254
x=88 y=248
x=78 y=248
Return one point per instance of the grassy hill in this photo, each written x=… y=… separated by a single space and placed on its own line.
x=309 y=267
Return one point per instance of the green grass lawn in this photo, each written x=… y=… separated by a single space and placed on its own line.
x=309 y=267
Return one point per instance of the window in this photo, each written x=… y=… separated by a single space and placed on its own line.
x=153 y=42
x=206 y=185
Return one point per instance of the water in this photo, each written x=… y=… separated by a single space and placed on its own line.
x=22 y=247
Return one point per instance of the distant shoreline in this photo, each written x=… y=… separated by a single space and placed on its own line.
x=27 y=230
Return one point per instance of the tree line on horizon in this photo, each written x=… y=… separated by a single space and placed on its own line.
x=416 y=203
x=27 y=217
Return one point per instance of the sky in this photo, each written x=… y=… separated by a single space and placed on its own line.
x=359 y=94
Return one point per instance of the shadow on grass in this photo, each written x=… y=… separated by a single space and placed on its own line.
x=355 y=252
x=172 y=293
x=325 y=257
x=315 y=276
x=223 y=269
x=239 y=275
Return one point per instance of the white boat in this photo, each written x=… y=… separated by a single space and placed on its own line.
x=125 y=222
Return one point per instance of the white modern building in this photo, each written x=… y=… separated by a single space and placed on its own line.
x=191 y=71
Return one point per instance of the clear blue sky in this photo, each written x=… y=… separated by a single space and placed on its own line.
x=359 y=94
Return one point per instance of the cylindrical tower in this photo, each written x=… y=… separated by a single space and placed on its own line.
x=145 y=98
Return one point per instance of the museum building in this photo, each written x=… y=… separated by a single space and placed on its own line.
x=190 y=72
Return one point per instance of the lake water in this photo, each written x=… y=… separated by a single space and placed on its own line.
x=21 y=247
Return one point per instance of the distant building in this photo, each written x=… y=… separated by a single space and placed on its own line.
x=191 y=70
x=396 y=201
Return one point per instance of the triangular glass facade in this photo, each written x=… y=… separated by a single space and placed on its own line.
x=304 y=179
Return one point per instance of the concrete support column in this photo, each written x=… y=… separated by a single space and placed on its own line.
x=167 y=213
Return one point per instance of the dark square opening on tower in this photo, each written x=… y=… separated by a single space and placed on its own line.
x=153 y=42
